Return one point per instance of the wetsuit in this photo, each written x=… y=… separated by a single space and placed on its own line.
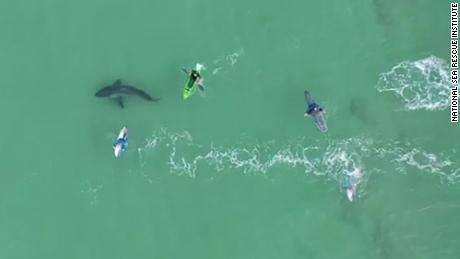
x=194 y=75
x=123 y=141
x=312 y=105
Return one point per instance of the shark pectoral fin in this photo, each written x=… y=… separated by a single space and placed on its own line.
x=120 y=102
x=117 y=83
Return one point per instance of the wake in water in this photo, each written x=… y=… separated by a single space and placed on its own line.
x=421 y=84
x=221 y=63
x=334 y=160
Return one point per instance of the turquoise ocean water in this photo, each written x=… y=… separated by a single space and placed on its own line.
x=236 y=172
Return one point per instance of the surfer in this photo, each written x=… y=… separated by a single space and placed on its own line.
x=313 y=107
x=350 y=184
x=195 y=77
x=121 y=144
x=315 y=111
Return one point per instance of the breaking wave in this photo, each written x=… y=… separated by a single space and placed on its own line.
x=332 y=160
x=421 y=85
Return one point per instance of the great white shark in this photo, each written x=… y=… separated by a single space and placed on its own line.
x=118 y=90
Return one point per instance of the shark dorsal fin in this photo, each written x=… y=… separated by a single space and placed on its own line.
x=117 y=83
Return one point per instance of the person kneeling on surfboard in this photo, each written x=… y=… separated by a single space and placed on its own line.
x=195 y=77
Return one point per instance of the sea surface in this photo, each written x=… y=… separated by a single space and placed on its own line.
x=236 y=171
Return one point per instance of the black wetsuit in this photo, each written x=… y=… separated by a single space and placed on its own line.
x=312 y=105
x=194 y=75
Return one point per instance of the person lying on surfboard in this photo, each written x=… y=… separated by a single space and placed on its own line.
x=121 y=144
x=195 y=76
x=313 y=107
x=316 y=112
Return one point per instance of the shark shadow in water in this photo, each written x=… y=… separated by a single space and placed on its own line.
x=118 y=90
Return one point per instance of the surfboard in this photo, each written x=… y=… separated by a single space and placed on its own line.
x=350 y=184
x=320 y=121
x=118 y=145
x=190 y=86
x=350 y=194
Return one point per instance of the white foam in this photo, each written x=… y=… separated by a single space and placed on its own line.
x=186 y=157
x=421 y=85
x=356 y=157
x=92 y=191
x=410 y=157
x=233 y=57
x=221 y=63
x=216 y=70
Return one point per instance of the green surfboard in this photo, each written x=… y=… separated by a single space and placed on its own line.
x=190 y=86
